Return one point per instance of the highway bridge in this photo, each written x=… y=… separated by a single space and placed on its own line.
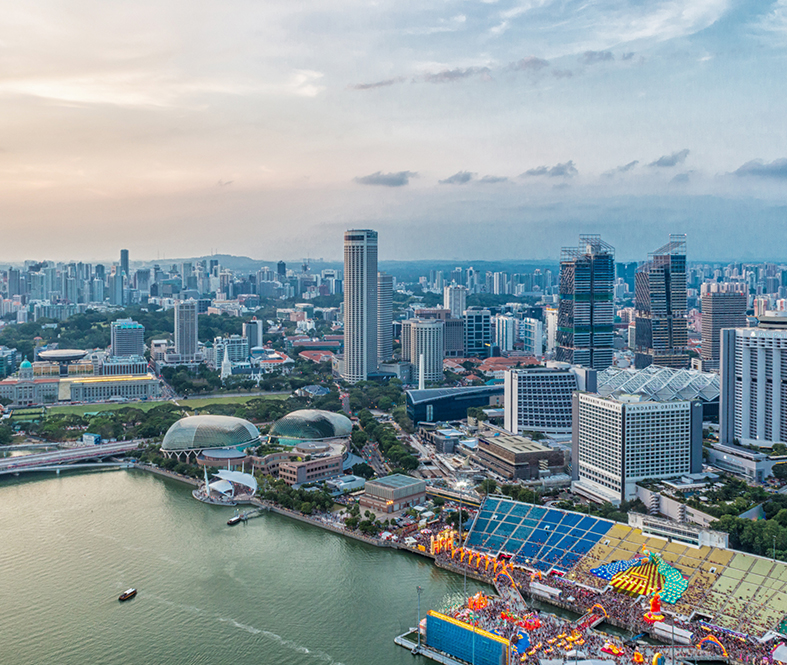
x=65 y=458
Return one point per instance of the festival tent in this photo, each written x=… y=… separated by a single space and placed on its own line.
x=780 y=653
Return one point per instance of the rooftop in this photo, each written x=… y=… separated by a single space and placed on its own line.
x=396 y=481
x=661 y=384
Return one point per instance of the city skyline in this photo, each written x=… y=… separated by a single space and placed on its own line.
x=278 y=121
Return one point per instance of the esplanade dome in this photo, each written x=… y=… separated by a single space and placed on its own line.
x=312 y=425
x=201 y=432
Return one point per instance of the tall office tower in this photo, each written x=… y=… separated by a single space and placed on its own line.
x=124 y=262
x=128 y=338
x=253 y=331
x=585 y=313
x=505 y=331
x=627 y=272
x=14 y=288
x=455 y=299
x=142 y=280
x=424 y=337
x=538 y=399
x=97 y=290
x=617 y=442
x=115 y=282
x=478 y=332
x=384 y=317
x=719 y=310
x=186 y=328
x=360 y=304
x=550 y=314
x=454 y=338
x=531 y=334
x=660 y=298
x=753 y=363
x=281 y=271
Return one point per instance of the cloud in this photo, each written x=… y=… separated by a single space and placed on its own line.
x=671 y=160
x=625 y=168
x=398 y=179
x=776 y=169
x=562 y=73
x=627 y=56
x=529 y=64
x=492 y=179
x=460 y=178
x=594 y=57
x=378 y=84
x=680 y=179
x=458 y=74
x=224 y=183
x=565 y=170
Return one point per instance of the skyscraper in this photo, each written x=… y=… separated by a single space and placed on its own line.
x=719 y=310
x=424 y=337
x=360 y=304
x=478 y=332
x=455 y=299
x=384 y=317
x=753 y=400
x=585 y=313
x=124 y=262
x=128 y=338
x=661 y=318
x=281 y=271
x=186 y=328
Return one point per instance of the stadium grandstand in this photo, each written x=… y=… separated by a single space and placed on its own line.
x=738 y=592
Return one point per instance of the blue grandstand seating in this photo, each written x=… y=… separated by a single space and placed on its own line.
x=540 y=537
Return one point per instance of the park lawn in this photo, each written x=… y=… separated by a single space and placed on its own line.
x=194 y=403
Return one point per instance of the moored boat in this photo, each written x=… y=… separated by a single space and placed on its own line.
x=128 y=594
x=232 y=521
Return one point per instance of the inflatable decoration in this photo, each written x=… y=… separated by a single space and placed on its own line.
x=477 y=602
x=638 y=658
x=612 y=649
x=712 y=640
x=658 y=659
x=655 y=610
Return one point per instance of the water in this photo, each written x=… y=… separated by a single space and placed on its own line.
x=272 y=591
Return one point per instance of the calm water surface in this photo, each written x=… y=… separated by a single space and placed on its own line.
x=271 y=591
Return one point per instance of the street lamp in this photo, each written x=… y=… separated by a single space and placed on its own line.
x=418 y=625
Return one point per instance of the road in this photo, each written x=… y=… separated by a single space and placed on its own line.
x=71 y=455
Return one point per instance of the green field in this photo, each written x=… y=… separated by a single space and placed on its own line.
x=194 y=403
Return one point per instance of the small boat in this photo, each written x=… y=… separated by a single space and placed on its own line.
x=128 y=594
x=235 y=519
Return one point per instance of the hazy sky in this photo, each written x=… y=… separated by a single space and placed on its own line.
x=458 y=129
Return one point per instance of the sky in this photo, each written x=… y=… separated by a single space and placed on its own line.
x=458 y=129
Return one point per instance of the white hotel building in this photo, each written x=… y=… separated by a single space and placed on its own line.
x=538 y=399
x=753 y=401
x=619 y=441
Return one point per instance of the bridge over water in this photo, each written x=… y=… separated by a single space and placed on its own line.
x=65 y=458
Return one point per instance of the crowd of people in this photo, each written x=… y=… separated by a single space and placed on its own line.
x=624 y=611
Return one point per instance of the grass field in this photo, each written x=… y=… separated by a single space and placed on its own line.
x=194 y=403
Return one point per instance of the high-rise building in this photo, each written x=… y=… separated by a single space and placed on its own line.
x=128 y=338
x=455 y=299
x=619 y=441
x=719 y=310
x=454 y=338
x=186 y=335
x=753 y=400
x=660 y=298
x=384 y=317
x=538 y=399
x=115 y=281
x=360 y=304
x=550 y=314
x=586 y=316
x=531 y=334
x=281 y=271
x=627 y=272
x=478 y=332
x=124 y=263
x=505 y=332
x=424 y=337
x=253 y=331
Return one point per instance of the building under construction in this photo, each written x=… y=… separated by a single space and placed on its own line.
x=585 y=314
